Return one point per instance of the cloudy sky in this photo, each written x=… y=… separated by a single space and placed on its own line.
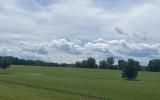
x=71 y=30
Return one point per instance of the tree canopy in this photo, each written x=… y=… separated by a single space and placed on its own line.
x=154 y=65
x=89 y=63
x=129 y=69
x=4 y=63
x=109 y=63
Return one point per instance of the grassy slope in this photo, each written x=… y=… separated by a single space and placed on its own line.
x=102 y=83
x=16 y=92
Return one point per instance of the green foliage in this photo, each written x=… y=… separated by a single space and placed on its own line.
x=129 y=69
x=107 y=64
x=154 y=65
x=78 y=64
x=103 y=64
x=89 y=63
x=17 y=61
x=110 y=62
x=4 y=63
x=84 y=64
x=121 y=64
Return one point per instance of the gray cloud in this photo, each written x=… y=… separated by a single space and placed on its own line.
x=67 y=19
x=34 y=48
x=44 y=23
x=119 y=31
x=66 y=46
x=62 y=48
x=143 y=36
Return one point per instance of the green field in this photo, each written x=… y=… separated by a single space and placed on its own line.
x=46 y=83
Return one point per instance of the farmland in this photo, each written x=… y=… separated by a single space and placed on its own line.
x=53 y=83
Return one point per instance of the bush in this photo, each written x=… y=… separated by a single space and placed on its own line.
x=129 y=69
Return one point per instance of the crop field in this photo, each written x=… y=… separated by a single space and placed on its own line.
x=53 y=83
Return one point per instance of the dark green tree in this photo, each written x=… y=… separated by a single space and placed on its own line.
x=103 y=64
x=110 y=63
x=78 y=64
x=154 y=65
x=121 y=64
x=129 y=69
x=84 y=64
x=4 y=63
x=91 y=63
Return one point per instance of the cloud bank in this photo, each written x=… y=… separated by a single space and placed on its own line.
x=58 y=30
x=63 y=50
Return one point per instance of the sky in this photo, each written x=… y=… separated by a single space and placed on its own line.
x=66 y=31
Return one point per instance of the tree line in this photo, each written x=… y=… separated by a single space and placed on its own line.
x=109 y=63
x=17 y=61
x=128 y=67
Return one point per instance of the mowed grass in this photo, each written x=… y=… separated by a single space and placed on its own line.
x=16 y=92
x=46 y=83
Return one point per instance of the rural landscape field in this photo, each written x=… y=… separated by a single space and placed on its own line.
x=46 y=83
x=79 y=50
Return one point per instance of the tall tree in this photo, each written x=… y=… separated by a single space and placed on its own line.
x=4 y=63
x=110 y=63
x=129 y=70
x=78 y=64
x=103 y=64
x=84 y=64
x=154 y=65
x=121 y=64
x=91 y=63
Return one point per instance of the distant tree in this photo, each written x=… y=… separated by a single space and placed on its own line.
x=154 y=65
x=110 y=63
x=84 y=64
x=129 y=69
x=103 y=64
x=110 y=60
x=4 y=63
x=37 y=62
x=63 y=65
x=121 y=64
x=91 y=63
x=137 y=65
x=107 y=64
x=78 y=64
x=143 y=67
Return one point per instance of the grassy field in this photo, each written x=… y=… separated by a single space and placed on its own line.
x=45 y=83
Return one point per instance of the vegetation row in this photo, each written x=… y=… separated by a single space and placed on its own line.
x=129 y=67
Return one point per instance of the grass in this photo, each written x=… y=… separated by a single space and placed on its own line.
x=46 y=83
x=16 y=92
